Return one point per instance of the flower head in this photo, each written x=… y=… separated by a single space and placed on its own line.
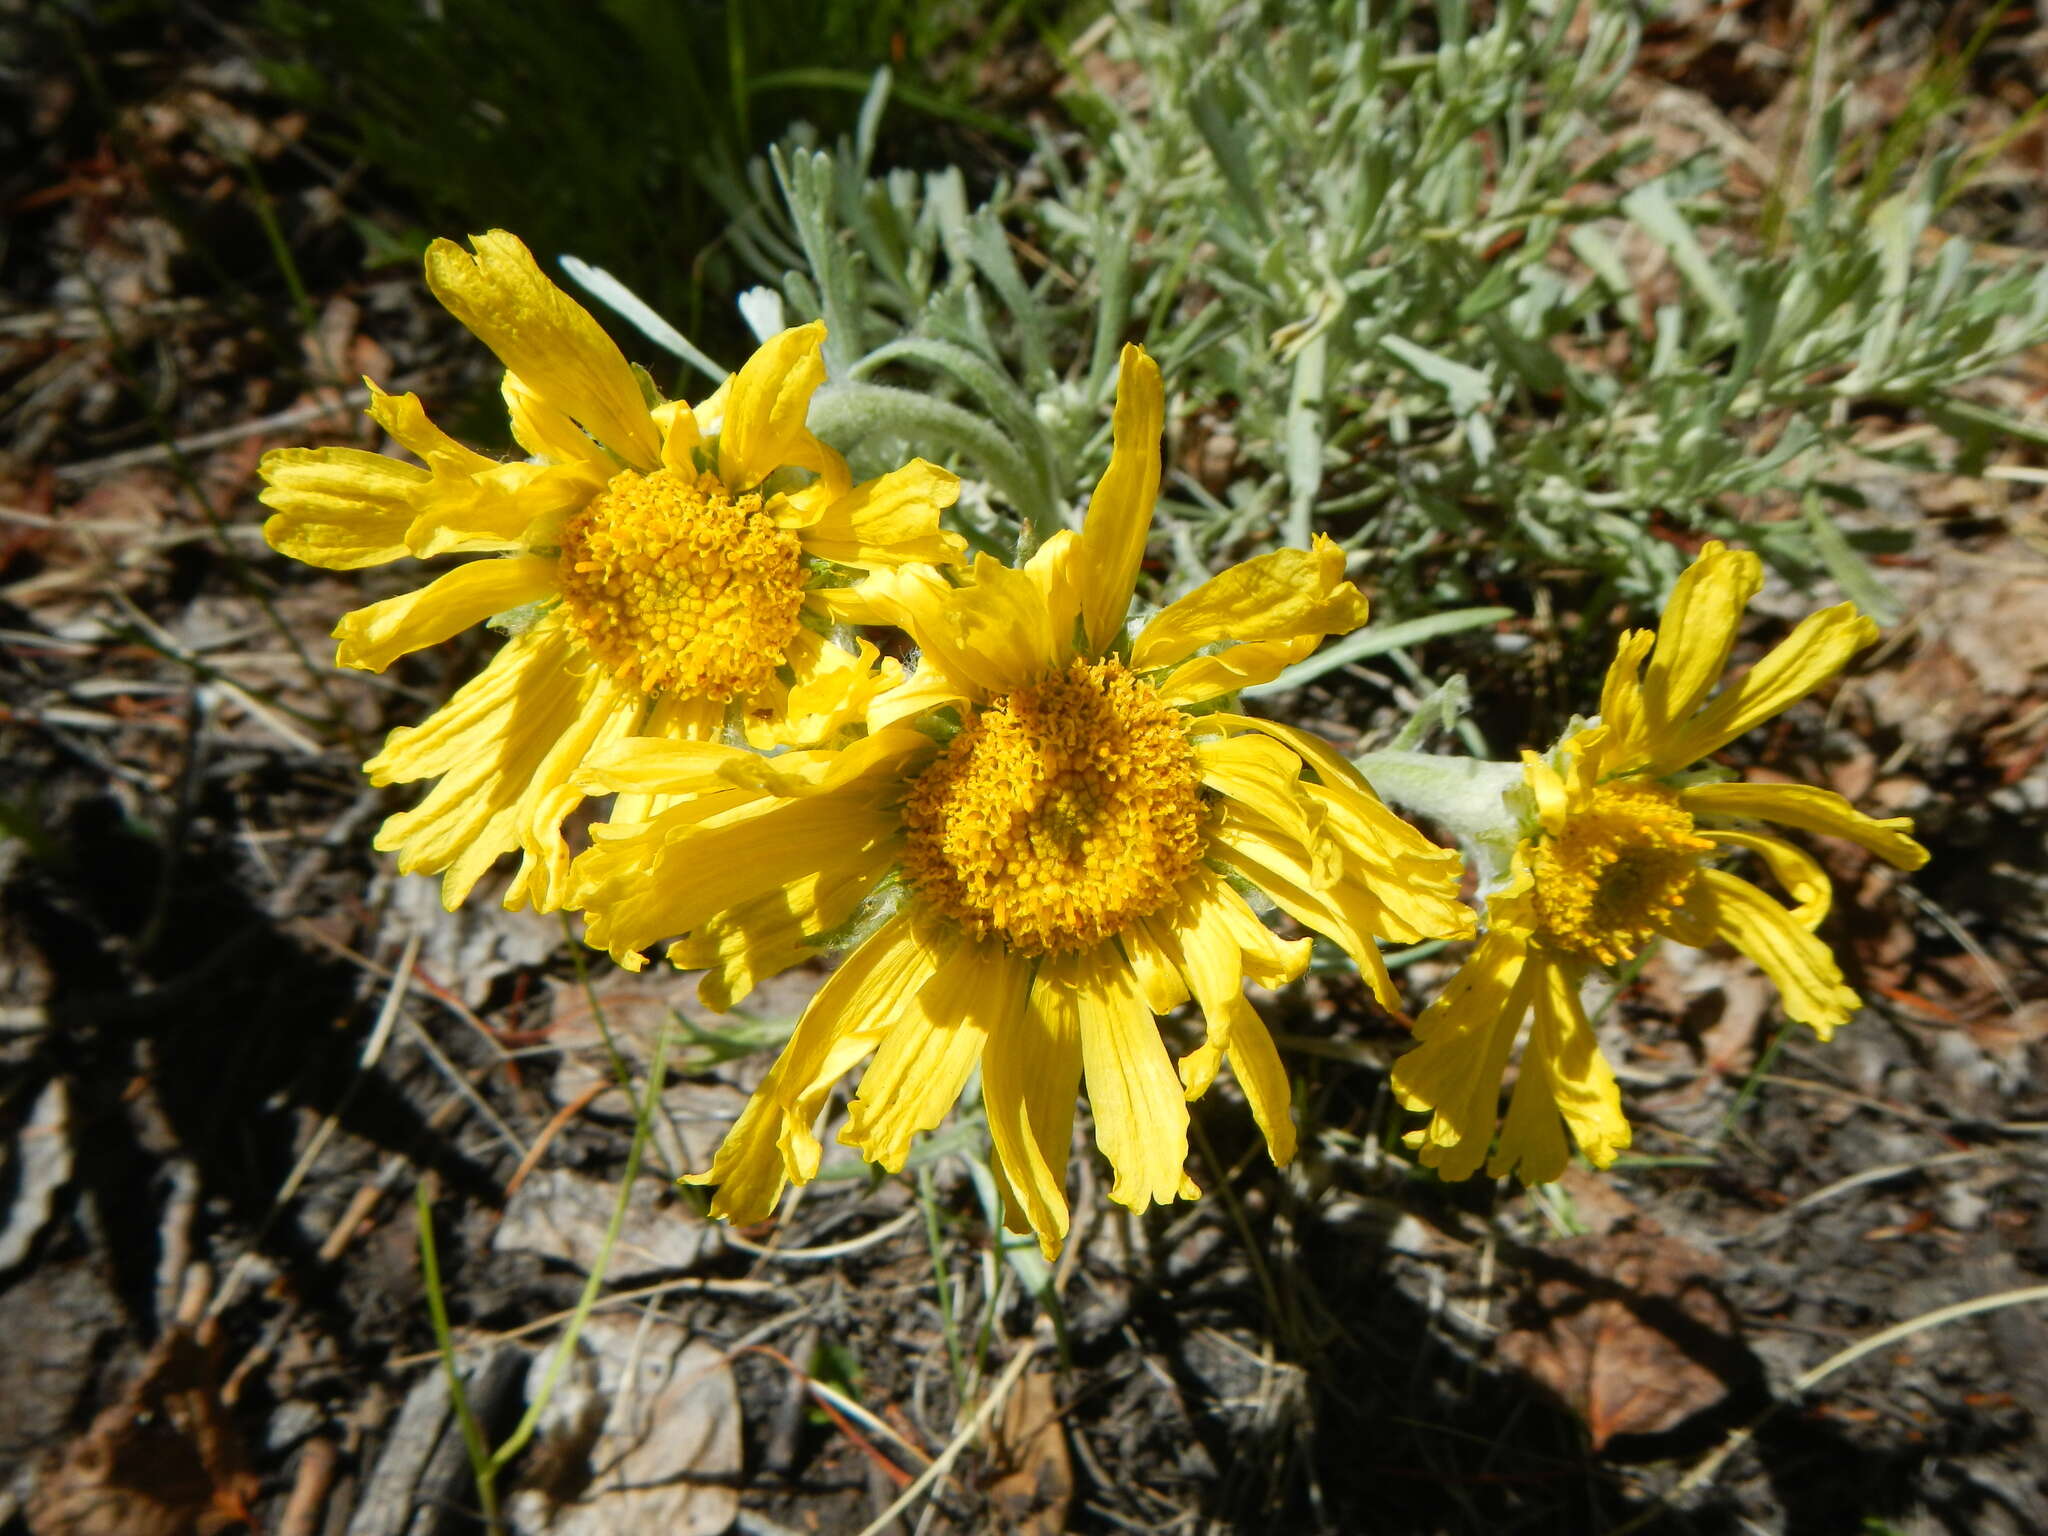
x=1067 y=846
x=657 y=567
x=1622 y=845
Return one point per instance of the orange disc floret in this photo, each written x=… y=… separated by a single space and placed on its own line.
x=1616 y=870
x=674 y=584
x=1063 y=813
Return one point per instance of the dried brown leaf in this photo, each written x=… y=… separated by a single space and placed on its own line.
x=647 y=1440
x=1719 y=999
x=1598 y=1206
x=1983 y=647
x=1630 y=1332
x=1032 y=1495
x=164 y=1461
x=564 y=1215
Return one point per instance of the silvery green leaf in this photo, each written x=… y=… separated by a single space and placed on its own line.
x=1443 y=707
x=1465 y=796
x=1227 y=142
x=517 y=621
x=762 y=310
x=1653 y=211
x=1467 y=388
x=1479 y=438
x=1000 y=396
x=1363 y=643
x=1851 y=571
x=871 y=109
x=842 y=413
x=1305 y=437
x=633 y=309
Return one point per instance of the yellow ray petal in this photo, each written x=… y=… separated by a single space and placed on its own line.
x=761 y=716
x=775 y=1140
x=1030 y=1078
x=544 y=431
x=710 y=411
x=533 y=667
x=1800 y=966
x=510 y=508
x=624 y=857
x=1205 y=935
x=1157 y=973
x=927 y=688
x=660 y=882
x=406 y=420
x=1198 y=1068
x=800 y=507
x=989 y=636
x=1416 y=881
x=1141 y=1117
x=1015 y=1218
x=608 y=711
x=1284 y=595
x=547 y=338
x=1260 y=1074
x=1697 y=633
x=871 y=602
x=1814 y=652
x=339 y=508
x=1804 y=881
x=1564 y=1075
x=1329 y=764
x=1379 y=844
x=1393 y=883
x=1120 y=511
x=830 y=691
x=1201 y=678
x=923 y=1063
x=1267 y=959
x=919 y=601
x=669 y=877
x=1464 y=1038
x=891 y=520
x=680 y=438
x=1532 y=1140
x=1345 y=911
x=670 y=718
x=766 y=411
x=677 y=766
x=1002 y=621
x=486 y=746
x=1209 y=901
x=1262 y=774
x=879 y=761
x=374 y=637
x=1055 y=569
x=1621 y=694
x=744 y=945
x=469 y=502
x=1810 y=810
x=1547 y=790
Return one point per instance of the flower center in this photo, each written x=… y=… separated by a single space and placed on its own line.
x=1617 y=871
x=673 y=584
x=1062 y=814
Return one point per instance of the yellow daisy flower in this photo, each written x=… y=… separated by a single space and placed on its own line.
x=1064 y=865
x=1620 y=847
x=656 y=567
